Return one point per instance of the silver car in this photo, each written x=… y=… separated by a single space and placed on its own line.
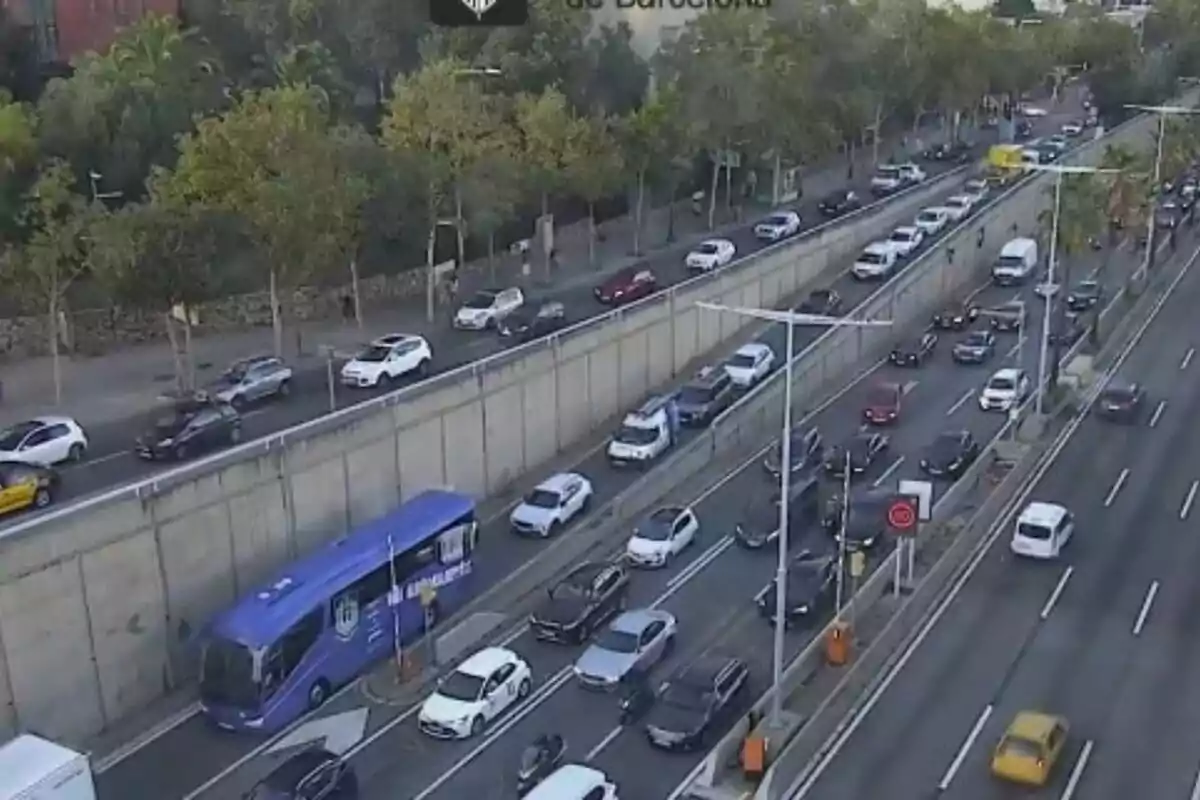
x=250 y=380
x=635 y=640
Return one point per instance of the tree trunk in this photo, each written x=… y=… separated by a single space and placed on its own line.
x=355 y=295
x=544 y=235
x=638 y=209
x=458 y=226
x=728 y=182
x=276 y=313
x=430 y=277
x=55 y=357
x=176 y=355
x=878 y=131
x=491 y=256
x=712 y=193
x=591 y=233
x=189 y=361
x=776 y=178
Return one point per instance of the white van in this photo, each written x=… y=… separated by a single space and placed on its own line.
x=1017 y=262
x=574 y=782
x=1042 y=530
x=32 y=768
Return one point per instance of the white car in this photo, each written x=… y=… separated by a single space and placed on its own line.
x=1072 y=128
x=778 y=226
x=959 y=206
x=906 y=240
x=552 y=504
x=1042 y=531
x=44 y=441
x=1032 y=111
x=710 y=254
x=1005 y=390
x=386 y=359
x=932 y=220
x=487 y=308
x=977 y=189
x=661 y=536
x=750 y=364
x=481 y=689
x=877 y=261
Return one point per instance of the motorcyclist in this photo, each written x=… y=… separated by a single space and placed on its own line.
x=540 y=758
x=638 y=697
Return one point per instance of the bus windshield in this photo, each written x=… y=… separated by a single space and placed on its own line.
x=227 y=675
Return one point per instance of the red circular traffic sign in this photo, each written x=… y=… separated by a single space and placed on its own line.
x=902 y=514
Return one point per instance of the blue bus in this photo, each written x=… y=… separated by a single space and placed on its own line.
x=281 y=650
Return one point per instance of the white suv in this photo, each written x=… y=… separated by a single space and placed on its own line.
x=1005 y=390
x=487 y=308
x=551 y=505
x=386 y=359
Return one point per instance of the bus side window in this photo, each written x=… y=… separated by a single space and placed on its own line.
x=295 y=644
x=408 y=564
x=452 y=545
x=372 y=586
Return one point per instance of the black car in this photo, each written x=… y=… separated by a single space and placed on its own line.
x=864 y=521
x=810 y=585
x=759 y=525
x=1007 y=318
x=860 y=453
x=1048 y=152
x=1085 y=296
x=701 y=399
x=1167 y=215
x=826 y=302
x=313 y=774
x=840 y=202
x=696 y=701
x=956 y=152
x=1023 y=130
x=590 y=595
x=977 y=348
x=956 y=317
x=807 y=446
x=525 y=325
x=913 y=352
x=192 y=427
x=1066 y=331
x=950 y=454
x=1121 y=403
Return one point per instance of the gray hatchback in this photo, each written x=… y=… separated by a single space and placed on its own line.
x=635 y=640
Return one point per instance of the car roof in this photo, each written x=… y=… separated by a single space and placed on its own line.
x=752 y=349
x=558 y=481
x=393 y=339
x=907 y=229
x=717 y=242
x=1007 y=372
x=778 y=214
x=1032 y=725
x=53 y=420
x=1044 y=513
x=288 y=774
x=939 y=210
x=878 y=248
x=566 y=781
x=636 y=620
x=707 y=376
x=487 y=661
x=959 y=198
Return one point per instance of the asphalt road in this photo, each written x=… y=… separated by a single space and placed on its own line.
x=111 y=462
x=709 y=590
x=1107 y=637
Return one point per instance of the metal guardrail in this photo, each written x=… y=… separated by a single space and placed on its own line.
x=152 y=486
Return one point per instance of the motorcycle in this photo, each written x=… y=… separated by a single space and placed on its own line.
x=539 y=760
x=639 y=696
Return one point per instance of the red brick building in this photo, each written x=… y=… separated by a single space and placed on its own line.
x=64 y=29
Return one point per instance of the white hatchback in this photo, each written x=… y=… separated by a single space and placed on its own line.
x=906 y=240
x=710 y=254
x=482 y=688
x=1042 y=530
x=43 y=441
x=1005 y=390
x=663 y=535
x=932 y=220
x=750 y=364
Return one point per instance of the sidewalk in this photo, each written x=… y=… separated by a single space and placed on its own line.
x=121 y=383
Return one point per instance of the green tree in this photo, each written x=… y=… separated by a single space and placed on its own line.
x=492 y=189
x=597 y=170
x=18 y=153
x=618 y=77
x=650 y=139
x=55 y=220
x=1128 y=198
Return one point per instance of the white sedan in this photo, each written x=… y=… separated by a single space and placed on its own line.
x=750 y=364
x=959 y=207
x=906 y=240
x=1072 y=128
x=661 y=536
x=710 y=254
x=43 y=441
x=482 y=688
x=932 y=220
x=552 y=505
x=778 y=226
x=1032 y=111
x=386 y=359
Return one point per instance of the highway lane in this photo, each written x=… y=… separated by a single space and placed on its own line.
x=1080 y=637
x=186 y=755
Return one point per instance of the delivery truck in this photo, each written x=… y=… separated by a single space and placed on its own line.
x=1004 y=164
x=32 y=768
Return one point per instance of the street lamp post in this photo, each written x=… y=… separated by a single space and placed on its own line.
x=1163 y=112
x=789 y=319
x=1052 y=288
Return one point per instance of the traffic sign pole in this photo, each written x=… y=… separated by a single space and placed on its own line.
x=902 y=518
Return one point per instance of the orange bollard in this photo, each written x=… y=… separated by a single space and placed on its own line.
x=754 y=757
x=837 y=644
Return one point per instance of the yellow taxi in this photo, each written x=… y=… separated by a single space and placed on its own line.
x=26 y=486
x=1030 y=748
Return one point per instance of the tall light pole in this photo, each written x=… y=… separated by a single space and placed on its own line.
x=1052 y=288
x=1163 y=112
x=790 y=320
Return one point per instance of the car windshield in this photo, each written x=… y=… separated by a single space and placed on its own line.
x=695 y=395
x=1122 y=394
x=1010 y=261
x=741 y=361
x=946 y=445
x=627 y=434
x=654 y=529
x=978 y=339
x=374 y=353
x=683 y=695
x=902 y=236
x=776 y=220
x=618 y=641
x=481 y=300
x=1031 y=531
x=1002 y=383
x=888 y=173
x=236 y=372
x=11 y=438
x=1087 y=287
x=707 y=249
x=837 y=198
x=881 y=396
x=870 y=258
x=227 y=675
x=859 y=445
x=541 y=498
x=803 y=576
x=1017 y=747
x=820 y=297
x=958 y=202
x=929 y=217
x=1009 y=311
x=460 y=686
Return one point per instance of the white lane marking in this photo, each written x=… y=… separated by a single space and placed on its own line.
x=1187 y=358
x=1012 y=351
x=1145 y=612
x=895 y=465
x=697 y=564
x=494 y=733
x=961 y=755
x=608 y=739
x=1077 y=771
x=1057 y=593
x=91 y=462
x=1196 y=788
x=1158 y=410
x=909 y=387
x=1186 y=508
x=959 y=402
x=1116 y=487
x=100 y=765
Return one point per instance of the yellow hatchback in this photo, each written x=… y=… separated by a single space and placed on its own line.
x=1030 y=748
x=25 y=486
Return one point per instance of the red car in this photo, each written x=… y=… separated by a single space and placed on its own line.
x=631 y=283
x=883 y=404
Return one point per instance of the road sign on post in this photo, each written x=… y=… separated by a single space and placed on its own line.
x=902 y=515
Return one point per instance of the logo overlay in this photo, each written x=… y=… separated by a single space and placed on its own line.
x=478 y=13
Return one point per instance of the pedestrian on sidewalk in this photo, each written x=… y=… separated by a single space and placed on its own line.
x=348 y=314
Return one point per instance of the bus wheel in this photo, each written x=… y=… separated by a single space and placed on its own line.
x=318 y=694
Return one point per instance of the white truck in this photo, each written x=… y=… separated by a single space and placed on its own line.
x=32 y=768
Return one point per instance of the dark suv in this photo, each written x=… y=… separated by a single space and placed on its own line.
x=190 y=428
x=314 y=774
x=590 y=595
x=705 y=396
x=695 y=701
